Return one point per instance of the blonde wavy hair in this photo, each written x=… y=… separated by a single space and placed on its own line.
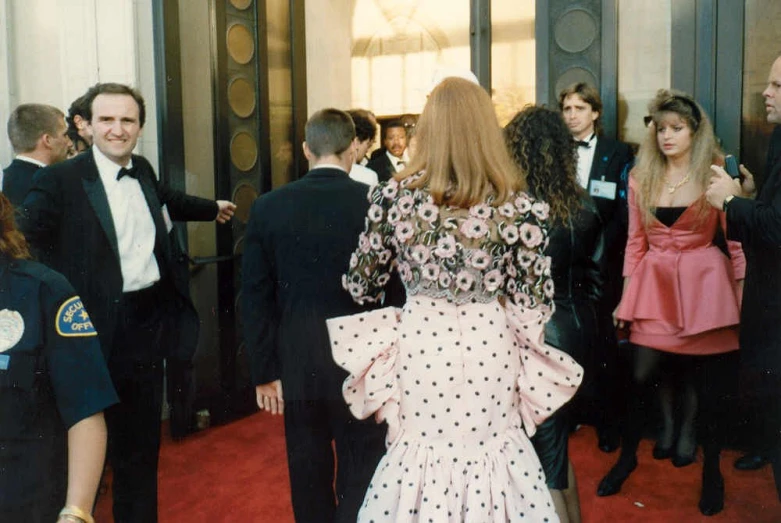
x=461 y=152
x=649 y=171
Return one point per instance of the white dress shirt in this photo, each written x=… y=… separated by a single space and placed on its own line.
x=362 y=174
x=133 y=223
x=398 y=163
x=585 y=159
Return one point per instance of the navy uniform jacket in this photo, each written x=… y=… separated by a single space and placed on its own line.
x=297 y=247
x=17 y=180
x=52 y=375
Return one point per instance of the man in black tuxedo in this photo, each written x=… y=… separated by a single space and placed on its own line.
x=394 y=157
x=38 y=135
x=601 y=160
x=754 y=219
x=102 y=220
x=296 y=249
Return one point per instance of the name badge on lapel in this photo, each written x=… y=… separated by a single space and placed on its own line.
x=603 y=189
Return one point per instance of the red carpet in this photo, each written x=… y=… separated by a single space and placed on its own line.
x=237 y=473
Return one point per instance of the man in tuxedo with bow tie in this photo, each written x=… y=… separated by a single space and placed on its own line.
x=102 y=220
x=754 y=219
x=601 y=160
x=394 y=159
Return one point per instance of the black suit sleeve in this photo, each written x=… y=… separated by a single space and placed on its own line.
x=181 y=206
x=259 y=304
x=754 y=222
x=41 y=215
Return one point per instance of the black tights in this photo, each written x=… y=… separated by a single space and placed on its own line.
x=705 y=382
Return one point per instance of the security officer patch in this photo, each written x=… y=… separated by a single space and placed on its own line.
x=73 y=320
x=11 y=329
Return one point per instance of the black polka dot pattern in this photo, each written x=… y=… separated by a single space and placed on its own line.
x=457 y=384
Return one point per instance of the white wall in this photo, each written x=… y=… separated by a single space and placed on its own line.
x=328 y=42
x=51 y=51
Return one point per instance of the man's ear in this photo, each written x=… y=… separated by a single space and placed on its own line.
x=594 y=117
x=45 y=140
x=307 y=153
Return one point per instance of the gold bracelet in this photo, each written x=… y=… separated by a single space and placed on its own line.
x=73 y=510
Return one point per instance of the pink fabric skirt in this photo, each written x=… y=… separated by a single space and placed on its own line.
x=461 y=387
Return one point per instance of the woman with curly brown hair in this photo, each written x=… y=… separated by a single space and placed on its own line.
x=54 y=386
x=542 y=147
x=681 y=294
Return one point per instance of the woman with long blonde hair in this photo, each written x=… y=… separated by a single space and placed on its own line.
x=681 y=295
x=460 y=374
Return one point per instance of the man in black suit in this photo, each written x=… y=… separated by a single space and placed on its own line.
x=102 y=219
x=754 y=219
x=601 y=160
x=394 y=158
x=296 y=249
x=39 y=137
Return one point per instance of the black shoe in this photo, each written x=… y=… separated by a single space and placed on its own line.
x=662 y=452
x=612 y=482
x=682 y=461
x=751 y=462
x=712 y=497
x=608 y=441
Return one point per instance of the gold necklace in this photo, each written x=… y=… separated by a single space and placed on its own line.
x=672 y=188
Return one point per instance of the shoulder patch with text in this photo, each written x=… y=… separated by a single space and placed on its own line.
x=73 y=320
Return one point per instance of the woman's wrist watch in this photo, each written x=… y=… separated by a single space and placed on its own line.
x=726 y=202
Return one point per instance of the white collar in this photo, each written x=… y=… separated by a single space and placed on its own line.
x=328 y=166
x=108 y=169
x=30 y=160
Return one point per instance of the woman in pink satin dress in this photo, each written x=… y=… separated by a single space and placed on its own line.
x=682 y=288
x=460 y=374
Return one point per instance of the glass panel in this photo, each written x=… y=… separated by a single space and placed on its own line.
x=513 y=63
x=762 y=34
x=644 y=50
x=280 y=91
x=398 y=44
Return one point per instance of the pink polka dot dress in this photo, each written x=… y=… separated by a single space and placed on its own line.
x=461 y=374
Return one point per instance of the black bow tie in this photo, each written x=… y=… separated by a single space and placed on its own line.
x=583 y=143
x=132 y=172
x=401 y=163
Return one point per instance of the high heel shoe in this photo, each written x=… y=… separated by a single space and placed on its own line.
x=661 y=452
x=612 y=482
x=712 y=497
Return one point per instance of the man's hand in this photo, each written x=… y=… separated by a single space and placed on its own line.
x=269 y=397
x=226 y=211
x=747 y=184
x=721 y=186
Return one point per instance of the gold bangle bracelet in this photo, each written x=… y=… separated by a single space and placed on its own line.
x=72 y=510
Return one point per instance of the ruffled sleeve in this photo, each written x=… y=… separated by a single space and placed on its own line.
x=365 y=345
x=549 y=377
x=370 y=263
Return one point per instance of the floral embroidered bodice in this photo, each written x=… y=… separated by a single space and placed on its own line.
x=463 y=255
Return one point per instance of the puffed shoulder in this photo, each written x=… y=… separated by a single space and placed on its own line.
x=366 y=346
